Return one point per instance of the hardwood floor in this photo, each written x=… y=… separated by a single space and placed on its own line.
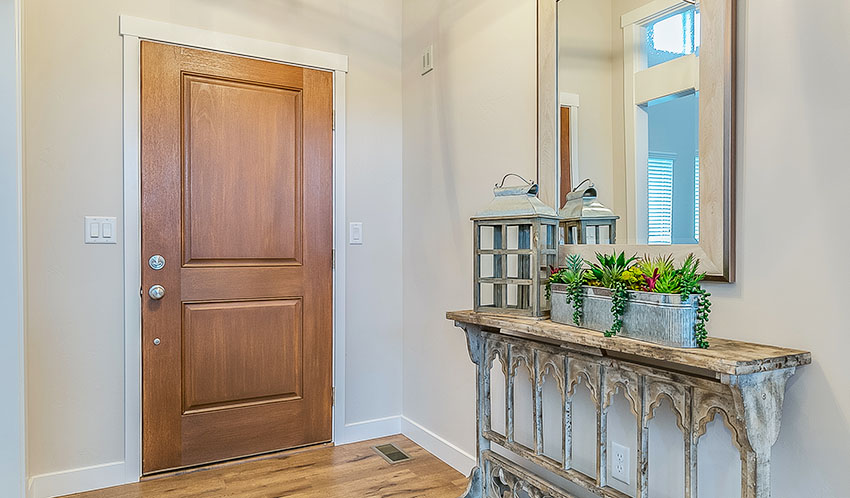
x=349 y=471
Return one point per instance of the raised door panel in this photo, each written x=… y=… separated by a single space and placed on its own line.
x=240 y=354
x=242 y=172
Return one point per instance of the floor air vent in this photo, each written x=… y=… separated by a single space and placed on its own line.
x=391 y=453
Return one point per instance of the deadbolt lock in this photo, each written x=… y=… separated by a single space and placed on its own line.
x=156 y=262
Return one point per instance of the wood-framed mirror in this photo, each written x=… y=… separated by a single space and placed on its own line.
x=638 y=96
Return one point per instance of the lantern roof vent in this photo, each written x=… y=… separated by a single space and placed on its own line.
x=515 y=202
x=582 y=203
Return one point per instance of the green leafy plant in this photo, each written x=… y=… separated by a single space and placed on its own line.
x=614 y=271
x=659 y=274
x=685 y=281
x=690 y=285
x=654 y=269
x=609 y=268
x=574 y=275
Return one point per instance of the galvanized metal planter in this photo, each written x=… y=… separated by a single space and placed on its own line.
x=666 y=319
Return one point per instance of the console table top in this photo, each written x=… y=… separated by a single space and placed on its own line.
x=724 y=356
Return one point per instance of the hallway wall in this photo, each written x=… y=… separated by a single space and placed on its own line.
x=73 y=162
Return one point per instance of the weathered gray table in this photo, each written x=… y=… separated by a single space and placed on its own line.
x=742 y=382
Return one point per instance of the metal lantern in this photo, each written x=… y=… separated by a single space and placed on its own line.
x=516 y=241
x=582 y=212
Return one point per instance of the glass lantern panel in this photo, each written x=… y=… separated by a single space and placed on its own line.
x=519 y=237
x=590 y=235
x=519 y=296
x=551 y=235
x=604 y=234
x=490 y=266
x=551 y=263
x=489 y=295
x=519 y=266
x=489 y=237
x=573 y=235
x=545 y=300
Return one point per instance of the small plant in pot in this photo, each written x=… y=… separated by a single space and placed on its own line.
x=650 y=299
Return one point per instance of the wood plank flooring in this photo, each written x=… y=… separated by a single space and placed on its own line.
x=349 y=471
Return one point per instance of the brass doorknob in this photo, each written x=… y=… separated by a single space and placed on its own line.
x=156 y=292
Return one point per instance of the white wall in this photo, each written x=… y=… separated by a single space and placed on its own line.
x=586 y=52
x=791 y=290
x=11 y=299
x=73 y=120
x=466 y=124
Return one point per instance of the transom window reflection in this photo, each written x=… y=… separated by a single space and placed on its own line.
x=672 y=37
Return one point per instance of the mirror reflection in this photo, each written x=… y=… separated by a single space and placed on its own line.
x=629 y=113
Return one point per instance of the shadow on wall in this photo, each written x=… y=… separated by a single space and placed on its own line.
x=445 y=133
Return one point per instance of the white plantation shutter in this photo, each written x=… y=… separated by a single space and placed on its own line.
x=660 y=198
x=696 y=197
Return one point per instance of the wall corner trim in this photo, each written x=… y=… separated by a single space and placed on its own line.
x=438 y=446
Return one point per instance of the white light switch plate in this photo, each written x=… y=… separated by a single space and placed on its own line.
x=101 y=230
x=355 y=233
x=428 y=60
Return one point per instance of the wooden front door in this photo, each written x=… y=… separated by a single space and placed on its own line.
x=237 y=198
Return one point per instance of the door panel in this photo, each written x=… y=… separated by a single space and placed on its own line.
x=237 y=196
x=236 y=354
x=224 y=184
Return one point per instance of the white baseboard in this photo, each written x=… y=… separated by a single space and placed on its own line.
x=112 y=474
x=435 y=444
x=76 y=480
x=369 y=429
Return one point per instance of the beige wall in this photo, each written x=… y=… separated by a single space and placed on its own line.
x=791 y=288
x=466 y=124
x=74 y=168
x=585 y=63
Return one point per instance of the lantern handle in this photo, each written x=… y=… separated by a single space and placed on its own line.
x=582 y=183
x=502 y=183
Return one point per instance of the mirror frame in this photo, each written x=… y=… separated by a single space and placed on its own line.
x=717 y=139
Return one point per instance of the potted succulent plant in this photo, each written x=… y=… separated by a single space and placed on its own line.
x=650 y=299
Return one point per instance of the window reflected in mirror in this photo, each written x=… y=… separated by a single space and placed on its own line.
x=629 y=113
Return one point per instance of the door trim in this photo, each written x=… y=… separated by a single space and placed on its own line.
x=133 y=30
x=13 y=456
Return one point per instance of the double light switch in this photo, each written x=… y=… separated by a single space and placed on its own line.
x=101 y=230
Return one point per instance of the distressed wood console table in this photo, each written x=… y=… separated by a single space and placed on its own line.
x=742 y=382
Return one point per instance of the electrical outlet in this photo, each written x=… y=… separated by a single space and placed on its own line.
x=620 y=462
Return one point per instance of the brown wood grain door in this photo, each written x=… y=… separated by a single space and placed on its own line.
x=237 y=197
x=566 y=156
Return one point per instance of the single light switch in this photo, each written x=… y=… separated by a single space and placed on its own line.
x=355 y=233
x=100 y=229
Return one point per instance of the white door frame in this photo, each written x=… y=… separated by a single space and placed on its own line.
x=133 y=30
x=12 y=377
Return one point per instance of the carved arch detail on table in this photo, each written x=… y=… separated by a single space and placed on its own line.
x=578 y=368
x=551 y=362
x=617 y=378
x=496 y=348
x=521 y=354
x=657 y=390
x=707 y=406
